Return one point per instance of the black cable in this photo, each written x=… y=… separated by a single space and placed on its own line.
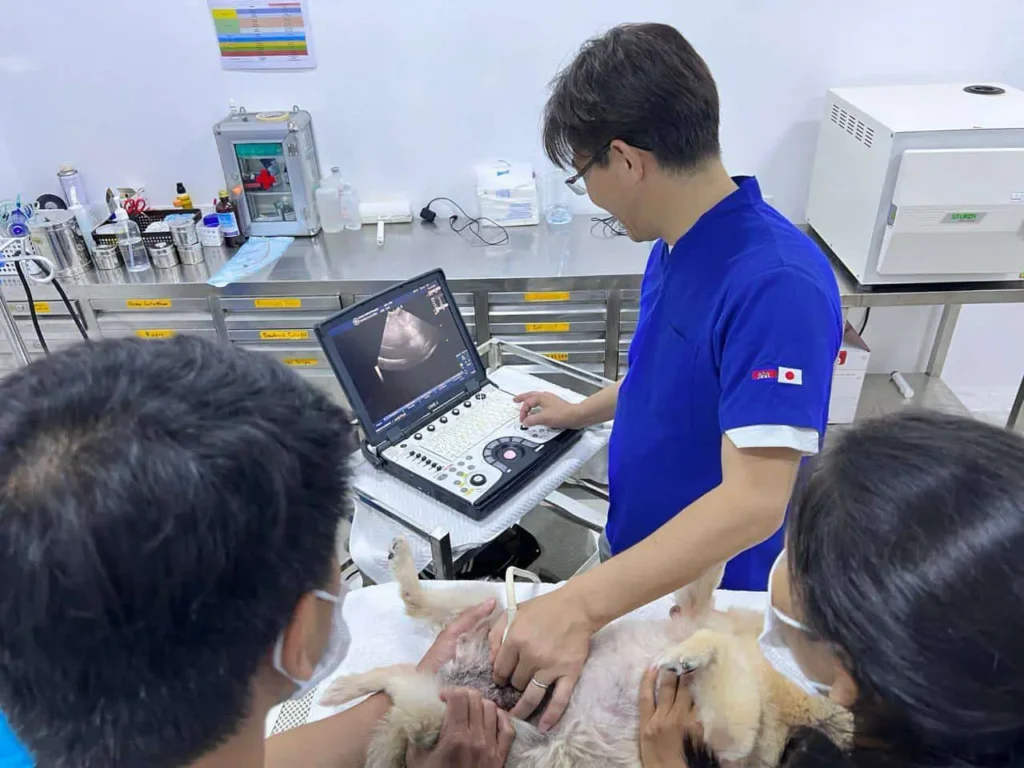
x=864 y=323
x=610 y=227
x=31 y=307
x=71 y=310
x=473 y=225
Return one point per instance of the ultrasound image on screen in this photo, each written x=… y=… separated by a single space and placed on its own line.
x=402 y=354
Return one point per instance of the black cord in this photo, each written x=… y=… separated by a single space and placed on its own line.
x=71 y=310
x=473 y=224
x=610 y=227
x=31 y=307
x=864 y=323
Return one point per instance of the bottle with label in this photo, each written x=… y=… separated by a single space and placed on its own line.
x=129 y=242
x=183 y=200
x=350 y=207
x=328 y=202
x=227 y=215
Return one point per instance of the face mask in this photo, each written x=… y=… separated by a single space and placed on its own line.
x=334 y=653
x=773 y=644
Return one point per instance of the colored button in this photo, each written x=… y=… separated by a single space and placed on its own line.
x=509 y=454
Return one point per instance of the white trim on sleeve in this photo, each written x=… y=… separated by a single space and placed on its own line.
x=799 y=439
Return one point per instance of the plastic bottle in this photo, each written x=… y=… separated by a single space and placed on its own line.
x=227 y=214
x=83 y=218
x=183 y=200
x=328 y=202
x=129 y=242
x=350 y=207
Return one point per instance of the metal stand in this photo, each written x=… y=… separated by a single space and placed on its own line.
x=493 y=352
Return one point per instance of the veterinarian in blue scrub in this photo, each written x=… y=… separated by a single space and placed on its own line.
x=11 y=753
x=730 y=367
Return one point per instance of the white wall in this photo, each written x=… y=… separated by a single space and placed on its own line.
x=408 y=95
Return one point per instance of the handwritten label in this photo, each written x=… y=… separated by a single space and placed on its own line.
x=155 y=333
x=301 y=362
x=148 y=303
x=546 y=296
x=562 y=356
x=42 y=307
x=284 y=335
x=278 y=303
x=547 y=327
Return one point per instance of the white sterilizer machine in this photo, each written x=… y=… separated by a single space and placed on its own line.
x=922 y=184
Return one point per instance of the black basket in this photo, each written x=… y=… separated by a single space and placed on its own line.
x=144 y=219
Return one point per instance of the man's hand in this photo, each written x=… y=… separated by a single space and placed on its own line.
x=474 y=734
x=443 y=649
x=549 y=643
x=553 y=411
x=666 y=716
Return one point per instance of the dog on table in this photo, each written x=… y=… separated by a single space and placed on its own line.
x=746 y=708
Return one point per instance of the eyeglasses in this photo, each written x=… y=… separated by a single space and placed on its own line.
x=576 y=182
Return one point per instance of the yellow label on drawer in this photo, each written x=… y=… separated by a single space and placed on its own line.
x=563 y=356
x=301 y=362
x=148 y=303
x=155 y=333
x=547 y=327
x=225 y=13
x=546 y=296
x=284 y=335
x=42 y=307
x=278 y=303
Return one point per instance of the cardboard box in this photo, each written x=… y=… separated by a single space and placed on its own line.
x=848 y=377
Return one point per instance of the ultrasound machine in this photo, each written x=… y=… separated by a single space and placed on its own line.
x=429 y=414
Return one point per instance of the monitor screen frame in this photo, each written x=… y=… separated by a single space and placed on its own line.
x=422 y=414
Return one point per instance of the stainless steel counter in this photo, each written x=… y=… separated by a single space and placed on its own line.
x=570 y=293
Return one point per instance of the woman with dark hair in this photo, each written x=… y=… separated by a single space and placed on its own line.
x=902 y=595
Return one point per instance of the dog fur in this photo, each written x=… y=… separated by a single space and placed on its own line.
x=747 y=709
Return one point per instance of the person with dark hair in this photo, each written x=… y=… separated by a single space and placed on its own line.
x=901 y=594
x=168 y=521
x=730 y=366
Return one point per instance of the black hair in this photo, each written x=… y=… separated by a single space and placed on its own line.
x=643 y=84
x=906 y=549
x=163 y=507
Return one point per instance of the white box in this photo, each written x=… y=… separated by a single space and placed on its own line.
x=848 y=377
x=921 y=184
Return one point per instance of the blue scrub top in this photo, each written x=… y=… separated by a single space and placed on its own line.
x=12 y=755
x=740 y=324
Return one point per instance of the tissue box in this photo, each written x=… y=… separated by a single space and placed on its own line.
x=507 y=193
x=848 y=377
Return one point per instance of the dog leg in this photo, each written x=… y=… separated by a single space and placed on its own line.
x=697 y=598
x=349 y=687
x=438 y=606
x=726 y=689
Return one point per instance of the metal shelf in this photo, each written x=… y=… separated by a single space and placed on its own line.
x=880 y=396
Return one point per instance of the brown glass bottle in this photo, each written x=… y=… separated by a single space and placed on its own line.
x=227 y=215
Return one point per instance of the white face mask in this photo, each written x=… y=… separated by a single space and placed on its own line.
x=775 y=649
x=337 y=647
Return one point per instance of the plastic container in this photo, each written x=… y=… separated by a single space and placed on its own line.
x=350 y=207
x=129 y=242
x=554 y=197
x=328 y=202
x=209 y=232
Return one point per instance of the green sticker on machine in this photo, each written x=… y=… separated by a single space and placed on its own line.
x=259 y=150
x=963 y=217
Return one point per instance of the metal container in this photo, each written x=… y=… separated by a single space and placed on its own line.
x=183 y=232
x=57 y=237
x=163 y=255
x=191 y=254
x=106 y=256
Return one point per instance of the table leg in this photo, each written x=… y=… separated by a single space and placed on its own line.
x=943 y=338
x=1018 y=405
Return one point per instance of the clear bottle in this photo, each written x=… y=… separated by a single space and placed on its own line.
x=328 y=202
x=129 y=242
x=350 y=207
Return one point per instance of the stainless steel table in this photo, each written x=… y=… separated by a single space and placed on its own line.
x=565 y=292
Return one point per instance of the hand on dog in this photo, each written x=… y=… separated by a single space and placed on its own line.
x=474 y=734
x=443 y=649
x=666 y=717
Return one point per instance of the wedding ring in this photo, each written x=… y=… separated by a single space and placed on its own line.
x=539 y=684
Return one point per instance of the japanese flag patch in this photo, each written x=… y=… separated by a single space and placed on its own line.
x=780 y=374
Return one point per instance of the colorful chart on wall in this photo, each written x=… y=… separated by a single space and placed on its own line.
x=263 y=34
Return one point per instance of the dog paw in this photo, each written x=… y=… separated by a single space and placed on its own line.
x=694 y=653
x=399 y=550
x=343 y=690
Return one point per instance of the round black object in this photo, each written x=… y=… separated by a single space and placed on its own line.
x=477 y=480
x=985 y=90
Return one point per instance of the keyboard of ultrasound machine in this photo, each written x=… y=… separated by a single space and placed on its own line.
x=469 y=423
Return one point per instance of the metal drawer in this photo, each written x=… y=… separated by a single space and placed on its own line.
x=628 y=319
x=565 y=347
x=150 y=305
x=302 y=357
x=587 y=327
x=323 y=304
x=155 y=324
x=50 y=326
x=461 y=299
x=272 y=326
x=630 y=296
x=548 y=297
x=43 y=308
